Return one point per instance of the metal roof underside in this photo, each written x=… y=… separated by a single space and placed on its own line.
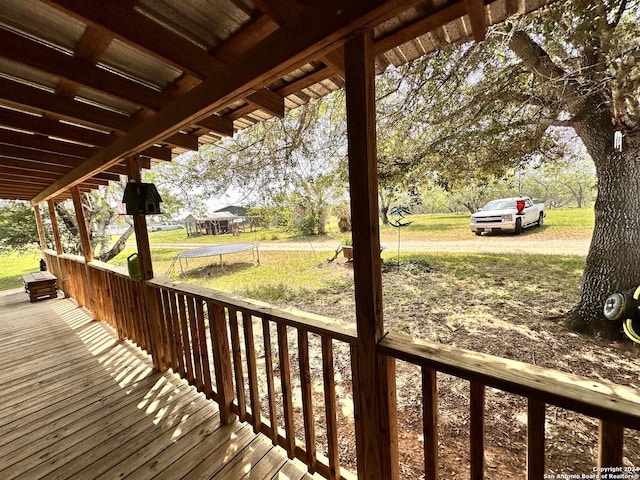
x=85 y=84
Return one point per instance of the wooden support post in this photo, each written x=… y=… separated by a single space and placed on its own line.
x=40 y=226
x=54 y=227
x=375 y=422
x=82 y=225
x=62 y=280
x=87 y=251
x=150 y=297
x=140 y=227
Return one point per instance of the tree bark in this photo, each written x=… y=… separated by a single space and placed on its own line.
x=613 y=263
x=117 y=247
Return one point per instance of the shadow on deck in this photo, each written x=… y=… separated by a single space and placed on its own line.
x=75 y=403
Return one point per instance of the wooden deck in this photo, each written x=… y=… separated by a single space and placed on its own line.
x=75 y=403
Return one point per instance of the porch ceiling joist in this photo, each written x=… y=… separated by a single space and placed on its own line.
x=316 y=31
x=85 y=84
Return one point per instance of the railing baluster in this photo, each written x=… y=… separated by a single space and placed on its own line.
x=268 y=361
x=204 y=349
x=158 y=331
x=307 y=399
x=221 y=360
x=535 y=439
x=610 y=444
x=187 y=346
x=115 y=303
x=252 y=373
x=171 y=335
x=477 y=430
x=330 y=407
x=237 y=363
x=177 y=335
x=430 y=423
x=195 y=344
x=287 y=394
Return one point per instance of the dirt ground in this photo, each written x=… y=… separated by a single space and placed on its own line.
x=487 y=317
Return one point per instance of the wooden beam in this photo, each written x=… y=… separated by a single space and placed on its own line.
x=83 y=136
x=38 y=142
x=306 y=81
x=268 y=101
x=40 y=227
x=37 y=167
x=217 y=124
x=54 y=128
x=54 y=227
x=246 y=38
x=478 y=18
x=318 y=29
x=132 y=27
x=281 y=11
x=82 y=225
x=60 y=106
x=375 y=424
x=420 y=27
x=76 y=70
x=9 y=174
x=335 y=60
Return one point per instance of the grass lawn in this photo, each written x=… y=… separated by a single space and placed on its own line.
x=271 y=281
x=13 y=265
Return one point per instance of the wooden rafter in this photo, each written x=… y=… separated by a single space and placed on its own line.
x=134 y=28
x=284 y=50
x=478 y=18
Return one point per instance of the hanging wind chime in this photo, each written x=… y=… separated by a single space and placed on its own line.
x=400 y=212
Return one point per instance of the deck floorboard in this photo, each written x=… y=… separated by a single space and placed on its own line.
x=76 y=403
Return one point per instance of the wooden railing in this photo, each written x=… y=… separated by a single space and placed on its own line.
x=237 y=351
x=616 y=407
x=108 y=291
x=265 y=365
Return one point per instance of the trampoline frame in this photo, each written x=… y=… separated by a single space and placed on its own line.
x=217 y=250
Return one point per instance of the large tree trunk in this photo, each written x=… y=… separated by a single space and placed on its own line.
x=613 y=262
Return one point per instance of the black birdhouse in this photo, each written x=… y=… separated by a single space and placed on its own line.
x=141 y=198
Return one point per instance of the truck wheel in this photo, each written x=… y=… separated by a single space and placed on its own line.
x=518 y=226
x=478 y=233
x=541 y=219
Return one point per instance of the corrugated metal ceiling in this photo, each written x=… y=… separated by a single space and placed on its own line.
x=159 y=50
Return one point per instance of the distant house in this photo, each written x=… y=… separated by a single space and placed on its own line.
x=233 y=209
x=217 y=223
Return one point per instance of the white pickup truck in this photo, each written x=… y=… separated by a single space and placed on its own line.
x=508 y=214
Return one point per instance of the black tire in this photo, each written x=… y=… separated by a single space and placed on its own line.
x=478 y=233
x=541 y=219
x=518 y=226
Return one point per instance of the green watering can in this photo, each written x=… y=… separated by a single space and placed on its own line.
x=133 y=264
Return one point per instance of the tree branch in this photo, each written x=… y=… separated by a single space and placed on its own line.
x=538 y=61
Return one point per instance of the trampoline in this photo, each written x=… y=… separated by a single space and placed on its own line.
x=216 y=251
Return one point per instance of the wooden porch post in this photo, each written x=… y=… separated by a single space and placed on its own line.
x=87 y=251
x=82 y=225
x=149 y=294
x=374 y=381
x=62 y=280
x=40 y=226
x=140 y=227
x=54 y=227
